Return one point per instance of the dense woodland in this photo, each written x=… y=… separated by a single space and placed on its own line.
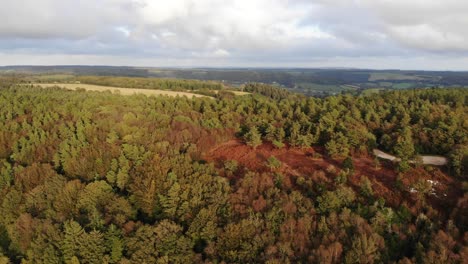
x=88 y=177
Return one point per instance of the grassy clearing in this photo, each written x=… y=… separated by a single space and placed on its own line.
x=320 y=87
x=386 y=84
x=236 y=92
x=404 y=85
x=240 y=93
x=372 y=91
x=349 y=86
x=122 y=91
x=54 y=77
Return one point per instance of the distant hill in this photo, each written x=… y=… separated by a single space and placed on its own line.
x=315 y=82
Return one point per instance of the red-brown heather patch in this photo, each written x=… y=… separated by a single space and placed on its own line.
x=312 y=162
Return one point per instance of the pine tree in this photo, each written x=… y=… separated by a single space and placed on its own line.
x=92 y=248
x=6 y=174
x=270 y=133
x=273 y=163
x=253 y=137
x=364 y=249
x=122 y=175
x=404 y=147
x=72 y=240
x=114 y=244
x=73 y=260
x=204 y=226
x=111 y=175
x=171 y=202
x=280 y=134
x=348 y=164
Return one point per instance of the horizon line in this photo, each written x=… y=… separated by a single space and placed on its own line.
x=230 y=67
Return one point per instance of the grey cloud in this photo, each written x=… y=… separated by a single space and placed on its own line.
x=231 y=33
x=432 y=25
x=61 y=19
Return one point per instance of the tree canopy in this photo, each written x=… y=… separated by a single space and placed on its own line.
x=90 y=177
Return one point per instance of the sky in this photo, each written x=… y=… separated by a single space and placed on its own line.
x=377 y=34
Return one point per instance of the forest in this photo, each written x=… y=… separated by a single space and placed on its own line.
x=97 y=177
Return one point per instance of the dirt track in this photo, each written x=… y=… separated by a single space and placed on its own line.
x=426 y=160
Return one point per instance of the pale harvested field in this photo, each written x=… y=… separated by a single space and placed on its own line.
x=122 y=91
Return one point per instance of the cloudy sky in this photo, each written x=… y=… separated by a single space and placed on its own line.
x=398 y=34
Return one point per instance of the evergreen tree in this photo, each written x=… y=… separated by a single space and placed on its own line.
x=404 y=148
x=92 y=248
x=365 y=249
x=253 y=137
x=72 y=242
x=348 y=164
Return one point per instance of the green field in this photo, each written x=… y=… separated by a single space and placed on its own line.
x=369 y=92
x=314 y=87
x=404 y=85
x=386 y=76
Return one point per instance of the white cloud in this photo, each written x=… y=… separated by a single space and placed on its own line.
x=221 y=53
x=123 y=30
x=237 y=24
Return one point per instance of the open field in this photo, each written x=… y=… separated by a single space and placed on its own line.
x=350 y=86
x=122 y=91
x=372 y=91
x=239 y=92
x=326 y=88
x=54 y=77
x=386 y=76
